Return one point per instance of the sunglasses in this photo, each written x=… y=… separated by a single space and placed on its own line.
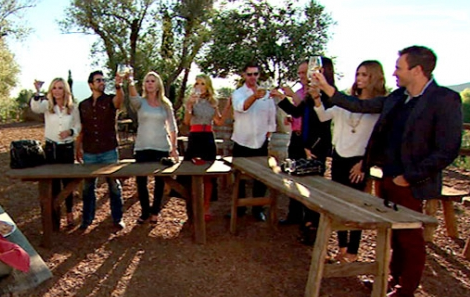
x=252 y=73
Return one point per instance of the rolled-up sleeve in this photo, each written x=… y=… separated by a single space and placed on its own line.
x=238 y=99
x=76 y=123
x=272 y=116
x=171 y=120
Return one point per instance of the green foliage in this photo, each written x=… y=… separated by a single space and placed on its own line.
x=465 y=94
x=164 y=36
x=23 y=98
x=9 y=71
x=11 y=22
x=277 y=37
x=224 y=92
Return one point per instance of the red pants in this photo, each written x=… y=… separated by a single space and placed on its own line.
x=409 y=251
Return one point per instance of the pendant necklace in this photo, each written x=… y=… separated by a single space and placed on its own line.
x=353 y=123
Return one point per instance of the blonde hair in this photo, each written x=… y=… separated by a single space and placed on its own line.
x=210 y=93
x=376 y=79
x=166 y=103
x=68 y=102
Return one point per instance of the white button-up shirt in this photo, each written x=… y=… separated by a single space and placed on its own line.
x=58 y=121
x=251 y=126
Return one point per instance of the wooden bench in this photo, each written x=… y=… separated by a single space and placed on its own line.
x=50 y=206
x=19 y=281
x=340 y=208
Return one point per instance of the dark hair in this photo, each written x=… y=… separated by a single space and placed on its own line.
x=328 y=70
x=251 y=64
x=420 y=56
x=376 y=79
x=92 y=75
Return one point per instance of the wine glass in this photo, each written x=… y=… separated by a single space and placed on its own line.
x=197 y=93
x=38 y=84
x=267 y=86
x=122 y=70
x=314 y=65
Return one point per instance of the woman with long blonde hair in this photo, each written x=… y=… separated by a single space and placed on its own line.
x=62 y=125
x=201 y=113
x=156 y=137
x=351 y=134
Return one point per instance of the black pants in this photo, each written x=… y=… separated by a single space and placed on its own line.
x=340 y=168
x=142 y=190
x=60 y=154
x=259 y=189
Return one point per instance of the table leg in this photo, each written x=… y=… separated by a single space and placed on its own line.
x=197 y=196
x=273 y=208
x=45 y=199
x=466 y=249
x=233 y=214
x=382 y=258
x=318 y=257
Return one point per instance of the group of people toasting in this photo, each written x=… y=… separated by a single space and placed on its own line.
x=412 y=134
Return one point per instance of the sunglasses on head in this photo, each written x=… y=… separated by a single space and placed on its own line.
x=252 y=73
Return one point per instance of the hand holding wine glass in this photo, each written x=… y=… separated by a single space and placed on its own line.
x=314 y=66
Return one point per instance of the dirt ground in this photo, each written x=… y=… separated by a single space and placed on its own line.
x=162 y=260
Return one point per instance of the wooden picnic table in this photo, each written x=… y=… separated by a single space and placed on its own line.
x=19 y=281
x=340 y=208
x=50 y=206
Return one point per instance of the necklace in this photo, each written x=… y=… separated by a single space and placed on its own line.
x=354 y=122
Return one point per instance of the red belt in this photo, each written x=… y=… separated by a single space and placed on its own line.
x=200 y=128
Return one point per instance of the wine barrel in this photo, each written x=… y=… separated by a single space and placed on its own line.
x=278 y=145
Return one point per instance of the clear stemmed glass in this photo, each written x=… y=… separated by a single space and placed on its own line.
x=122 y=70
x=314 y=65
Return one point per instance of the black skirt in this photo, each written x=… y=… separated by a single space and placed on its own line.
x=201 y=145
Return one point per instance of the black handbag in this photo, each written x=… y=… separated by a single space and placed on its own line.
x=303 y=167
x=26 y=153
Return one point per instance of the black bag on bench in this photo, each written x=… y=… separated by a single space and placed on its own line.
x=26 y=153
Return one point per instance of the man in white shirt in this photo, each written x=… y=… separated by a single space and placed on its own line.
x=254 y=119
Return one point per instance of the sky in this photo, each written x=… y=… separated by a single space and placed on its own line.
x=364 y=30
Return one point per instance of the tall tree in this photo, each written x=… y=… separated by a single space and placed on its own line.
x=150 y=35
x=276 y=36
x=11 y=14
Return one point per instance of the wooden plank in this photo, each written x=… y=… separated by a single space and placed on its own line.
x=66 y=191
x=273 y=208
x=466 y=249
x=255 y=201
x=430 y=209
x=318 y=257
x=197 y=194
x=382 y=258
x=449 y=219
x=350 y=269
x=38 y=272
x=45 y=199
x=235 y=193
x=350 y=207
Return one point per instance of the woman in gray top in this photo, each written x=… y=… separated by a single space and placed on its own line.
x=156 y=137
x=201 y=111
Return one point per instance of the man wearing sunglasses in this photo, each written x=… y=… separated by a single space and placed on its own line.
x=97 y=143
x=254 y=119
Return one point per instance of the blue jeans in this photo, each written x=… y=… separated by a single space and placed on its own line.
x=89 y=198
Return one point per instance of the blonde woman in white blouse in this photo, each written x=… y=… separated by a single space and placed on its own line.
x=62 y=124
x=351 y=134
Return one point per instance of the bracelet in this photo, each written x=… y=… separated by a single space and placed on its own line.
x=71 y=132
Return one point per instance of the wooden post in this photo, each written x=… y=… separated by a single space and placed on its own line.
x=318 y=257
x=449 y=218
x=197 y=195
x=430 y=209
x=382 y=258
x=273 y=208
x=466 y=249
x=45 y=199
x=233 y=213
